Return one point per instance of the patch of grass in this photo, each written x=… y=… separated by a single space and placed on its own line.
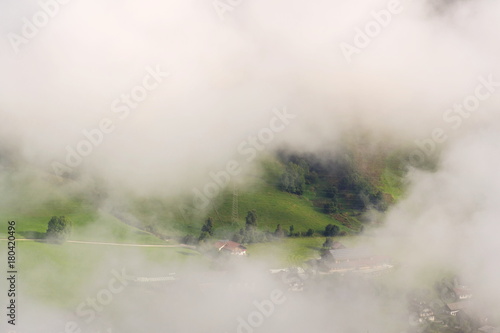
x=286 y=252
x=391 y=178
x=391 y=183
x=64 y=275
x=292 y=251
x=87 y=226
x=273 y=207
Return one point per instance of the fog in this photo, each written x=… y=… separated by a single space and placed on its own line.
x=152 y=97
x=224 y=79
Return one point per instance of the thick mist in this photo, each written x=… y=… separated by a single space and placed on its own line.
x=203 y=85
x=152 y=97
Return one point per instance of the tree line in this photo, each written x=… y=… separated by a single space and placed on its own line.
x=250 y=233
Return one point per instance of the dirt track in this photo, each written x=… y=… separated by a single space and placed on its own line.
x=112 y=244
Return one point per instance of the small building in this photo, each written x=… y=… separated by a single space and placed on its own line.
x=230 y=247
x=337 y=245
x=462 y=292
x=292 y=277
x=489 y=329
x=420 y=311
x=426 y=314
x=453 y=308
x=354 y=259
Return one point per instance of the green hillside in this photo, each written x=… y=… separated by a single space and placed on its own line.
x=274 y=207
x=56 y=274
x=36 y=197
x=152 y=220
x=88 y=224
x=379 y=175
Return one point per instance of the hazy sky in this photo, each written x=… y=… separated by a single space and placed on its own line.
x=207 y=79
x=227 y=70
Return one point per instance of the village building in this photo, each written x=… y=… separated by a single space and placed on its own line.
x=453 y=308
x=292 y=277
x=462 y=293
x=489 y=329
x=337 y=245
x=354 y=259
x=420 y=311
x=426 y=314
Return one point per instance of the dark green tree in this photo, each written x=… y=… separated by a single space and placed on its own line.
x=279 y=231
x=331 y=207
x=189 y=240
x=251 y=219
x=310 y=233
x=331 y=230
x=203 y=236
x=291 y=229
x=359 y=201
x=312 y=178
x=207 y=230
x=250 y=233
x=208 y=227
x=349 y=180
x=331 y=191
x=58 y=229
x=328 y=243
x=237 y=237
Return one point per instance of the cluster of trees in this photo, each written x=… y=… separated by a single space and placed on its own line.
x=293 y=179
x=365 y=194
x=331 y=206
x=58 y=229
x=331 y=230
x=207 y=231
x=251 y=234
x=280 y=232
x=338 y=184
x=297 y=175
x=436 y=300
